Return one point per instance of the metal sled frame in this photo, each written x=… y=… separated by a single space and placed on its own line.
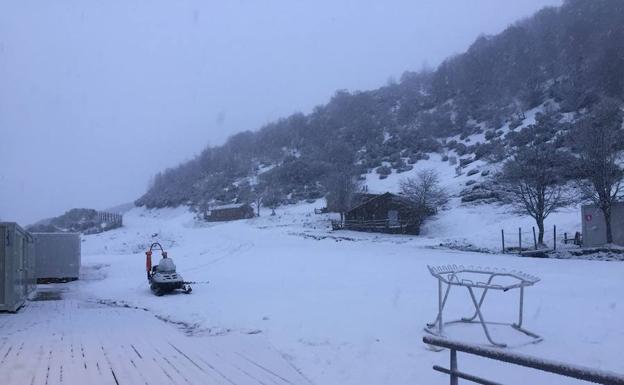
x=451 y=275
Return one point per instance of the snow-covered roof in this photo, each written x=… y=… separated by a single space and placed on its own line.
x=368 y=198
x=229 y=206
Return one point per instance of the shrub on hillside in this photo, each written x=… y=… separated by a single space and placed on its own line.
x=383 y=170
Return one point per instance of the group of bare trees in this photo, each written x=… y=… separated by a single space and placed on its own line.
x=266 y=196
x=425 y=191
x=260 y=194
x=600 y=143
x=540 y=176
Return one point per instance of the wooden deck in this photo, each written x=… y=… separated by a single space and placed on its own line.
x=84 y=342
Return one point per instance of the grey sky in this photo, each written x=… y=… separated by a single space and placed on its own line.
x=97 y=96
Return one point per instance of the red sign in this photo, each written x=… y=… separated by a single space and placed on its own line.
x=588 y=217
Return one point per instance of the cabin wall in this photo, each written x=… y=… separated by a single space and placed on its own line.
x=404 y=219
x=378 y=210
x=244 y=212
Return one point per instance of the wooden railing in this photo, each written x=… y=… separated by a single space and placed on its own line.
x=376 y=225
x=559 y=368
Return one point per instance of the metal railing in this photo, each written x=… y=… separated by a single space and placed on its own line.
x=555 y=367
x=113 y=219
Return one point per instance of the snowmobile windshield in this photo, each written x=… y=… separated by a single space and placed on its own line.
x=166 y=265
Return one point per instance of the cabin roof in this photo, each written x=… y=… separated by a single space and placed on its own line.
x=386 y=195
x=230 y=206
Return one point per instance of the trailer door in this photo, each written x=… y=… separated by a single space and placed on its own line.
x=3 y=245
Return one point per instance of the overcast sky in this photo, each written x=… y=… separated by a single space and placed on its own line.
x=96 y=96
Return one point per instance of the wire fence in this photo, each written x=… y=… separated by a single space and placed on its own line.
x=525 y=240
x=107 y=221
x=113 y=219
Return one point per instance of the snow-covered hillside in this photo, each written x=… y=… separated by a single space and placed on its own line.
x=475 y=225
x=349 y=308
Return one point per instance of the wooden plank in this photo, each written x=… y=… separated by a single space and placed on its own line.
x=70 y=341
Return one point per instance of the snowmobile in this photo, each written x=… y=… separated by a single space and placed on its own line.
x=163 y=277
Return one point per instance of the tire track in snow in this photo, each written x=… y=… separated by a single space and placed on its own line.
x=230 y=252
x=291 y=364
x=5 y=355
x=39 y=358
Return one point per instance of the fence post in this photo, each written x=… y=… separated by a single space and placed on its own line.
x=520 y=239
x=503 y=239
x=454 y=378
x=440 y=323
x=534 y=239
x=554 y=237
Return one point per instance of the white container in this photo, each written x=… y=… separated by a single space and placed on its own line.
x=17 y=266
x=57 y=256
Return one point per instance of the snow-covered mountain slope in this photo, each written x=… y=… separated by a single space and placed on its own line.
x=349 y=308
x=530 y=84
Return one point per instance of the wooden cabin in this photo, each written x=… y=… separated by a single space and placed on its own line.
x=229 y=212
x=386 y=213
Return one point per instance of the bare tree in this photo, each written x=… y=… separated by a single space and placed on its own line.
x=341 y=188
x=535 y=178
x=257 y=194
x=599 y=140
x=271 y=198
x=258 y=201
x=425 y=191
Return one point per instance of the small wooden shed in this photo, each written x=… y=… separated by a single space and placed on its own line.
x=229 y=212
x=387 y=213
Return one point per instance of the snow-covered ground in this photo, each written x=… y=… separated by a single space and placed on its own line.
x=80 y=340
x=290 y=297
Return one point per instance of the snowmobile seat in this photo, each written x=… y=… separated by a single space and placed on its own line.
x=166 y=265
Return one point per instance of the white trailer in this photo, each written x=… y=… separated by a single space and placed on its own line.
x=57 y=256
x=17 y=266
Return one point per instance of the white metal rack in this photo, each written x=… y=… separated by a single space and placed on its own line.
x=457 y=275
